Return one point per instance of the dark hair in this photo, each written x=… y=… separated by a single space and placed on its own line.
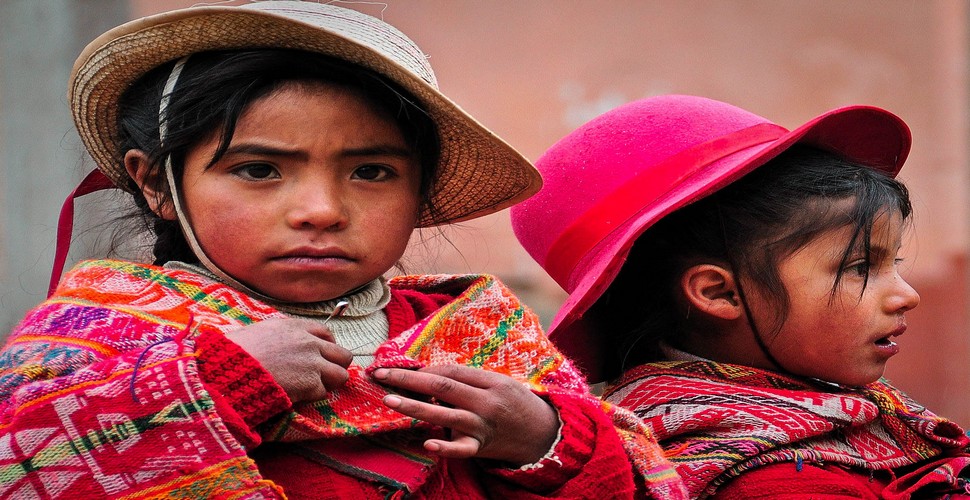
x=748 y=226
x=213 y=91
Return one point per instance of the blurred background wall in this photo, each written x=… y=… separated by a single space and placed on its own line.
x=534 y=70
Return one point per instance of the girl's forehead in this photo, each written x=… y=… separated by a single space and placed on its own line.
x=885 y=234
x=286 y=89
x=825 y=213
x=336 y=107
x=837 y=226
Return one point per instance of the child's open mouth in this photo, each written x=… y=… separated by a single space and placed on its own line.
x=886 y=346
x=885 y=341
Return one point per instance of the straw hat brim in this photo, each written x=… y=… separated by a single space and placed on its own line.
x=478 y=173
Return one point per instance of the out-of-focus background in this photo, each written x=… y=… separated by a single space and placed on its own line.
x=534 y=70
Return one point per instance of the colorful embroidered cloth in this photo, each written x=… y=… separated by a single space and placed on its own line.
x=717 y=420
x=101 y=395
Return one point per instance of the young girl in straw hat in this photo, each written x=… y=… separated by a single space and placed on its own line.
x=737 y=284
x=282 y=154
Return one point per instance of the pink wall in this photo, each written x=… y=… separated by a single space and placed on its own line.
x=533 y=71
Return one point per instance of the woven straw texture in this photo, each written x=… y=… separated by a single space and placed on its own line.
x=478 y=172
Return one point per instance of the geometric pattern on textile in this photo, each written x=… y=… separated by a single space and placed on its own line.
x=717 y=420
x=99 y=385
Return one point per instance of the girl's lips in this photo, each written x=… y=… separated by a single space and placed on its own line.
x=313 y=264
x=901 y=329
x=886 y=346
x=309 y=259
x=313 y=253
x=313 y=258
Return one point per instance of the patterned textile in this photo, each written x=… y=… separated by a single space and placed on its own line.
x=100 y=394
x=717 y=420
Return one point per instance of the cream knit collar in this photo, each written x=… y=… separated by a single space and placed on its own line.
x=364 y=300
x=362 y=327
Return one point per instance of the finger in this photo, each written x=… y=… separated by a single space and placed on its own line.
x=471 y=376
x=335 y=353
x=457 y=419
x=429 y=384
x=333 y=376
x=460 y=447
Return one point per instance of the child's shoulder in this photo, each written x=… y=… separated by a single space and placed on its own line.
x=454 y=285
x=157 y=291
x=140 y=285
x=108 y=274
x=460 y=289
x=447 y=283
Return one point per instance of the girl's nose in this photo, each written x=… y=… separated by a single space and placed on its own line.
x=320 y=208
x=905 y=297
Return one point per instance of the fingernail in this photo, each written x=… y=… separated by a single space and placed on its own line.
x=392 y=401
x=380 y=373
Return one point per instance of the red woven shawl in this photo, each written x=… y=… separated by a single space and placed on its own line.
x=717 y=420
x=100 y=395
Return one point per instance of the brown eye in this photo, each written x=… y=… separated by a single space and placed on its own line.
x=257 y=171
x=373 y=172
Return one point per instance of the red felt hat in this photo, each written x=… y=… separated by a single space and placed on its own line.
x=614 y=177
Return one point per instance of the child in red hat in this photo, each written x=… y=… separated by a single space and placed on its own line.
x=737 y=285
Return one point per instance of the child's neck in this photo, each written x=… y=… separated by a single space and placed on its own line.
x=671 y=353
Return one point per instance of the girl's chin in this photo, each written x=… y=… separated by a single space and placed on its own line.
x=853 y=381
x=303 y=291
x=301 y=296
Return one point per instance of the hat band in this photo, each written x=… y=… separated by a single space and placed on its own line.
x=628 y=200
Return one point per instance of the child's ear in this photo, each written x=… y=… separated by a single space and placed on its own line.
x=712 y=290
x=139 y=168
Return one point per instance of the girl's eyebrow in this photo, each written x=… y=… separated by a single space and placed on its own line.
x=261 y=150
x=382 y=150
x=877 y=252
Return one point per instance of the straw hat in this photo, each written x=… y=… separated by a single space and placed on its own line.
x=614 y=177
x=478 y=172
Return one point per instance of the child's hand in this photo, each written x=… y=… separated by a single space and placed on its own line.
x=493 y=415
x=300 y=354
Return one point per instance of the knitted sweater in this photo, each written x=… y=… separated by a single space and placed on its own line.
x=121 y=385
x=736 y=432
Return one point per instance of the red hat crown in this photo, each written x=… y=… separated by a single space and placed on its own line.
x=615 y=176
